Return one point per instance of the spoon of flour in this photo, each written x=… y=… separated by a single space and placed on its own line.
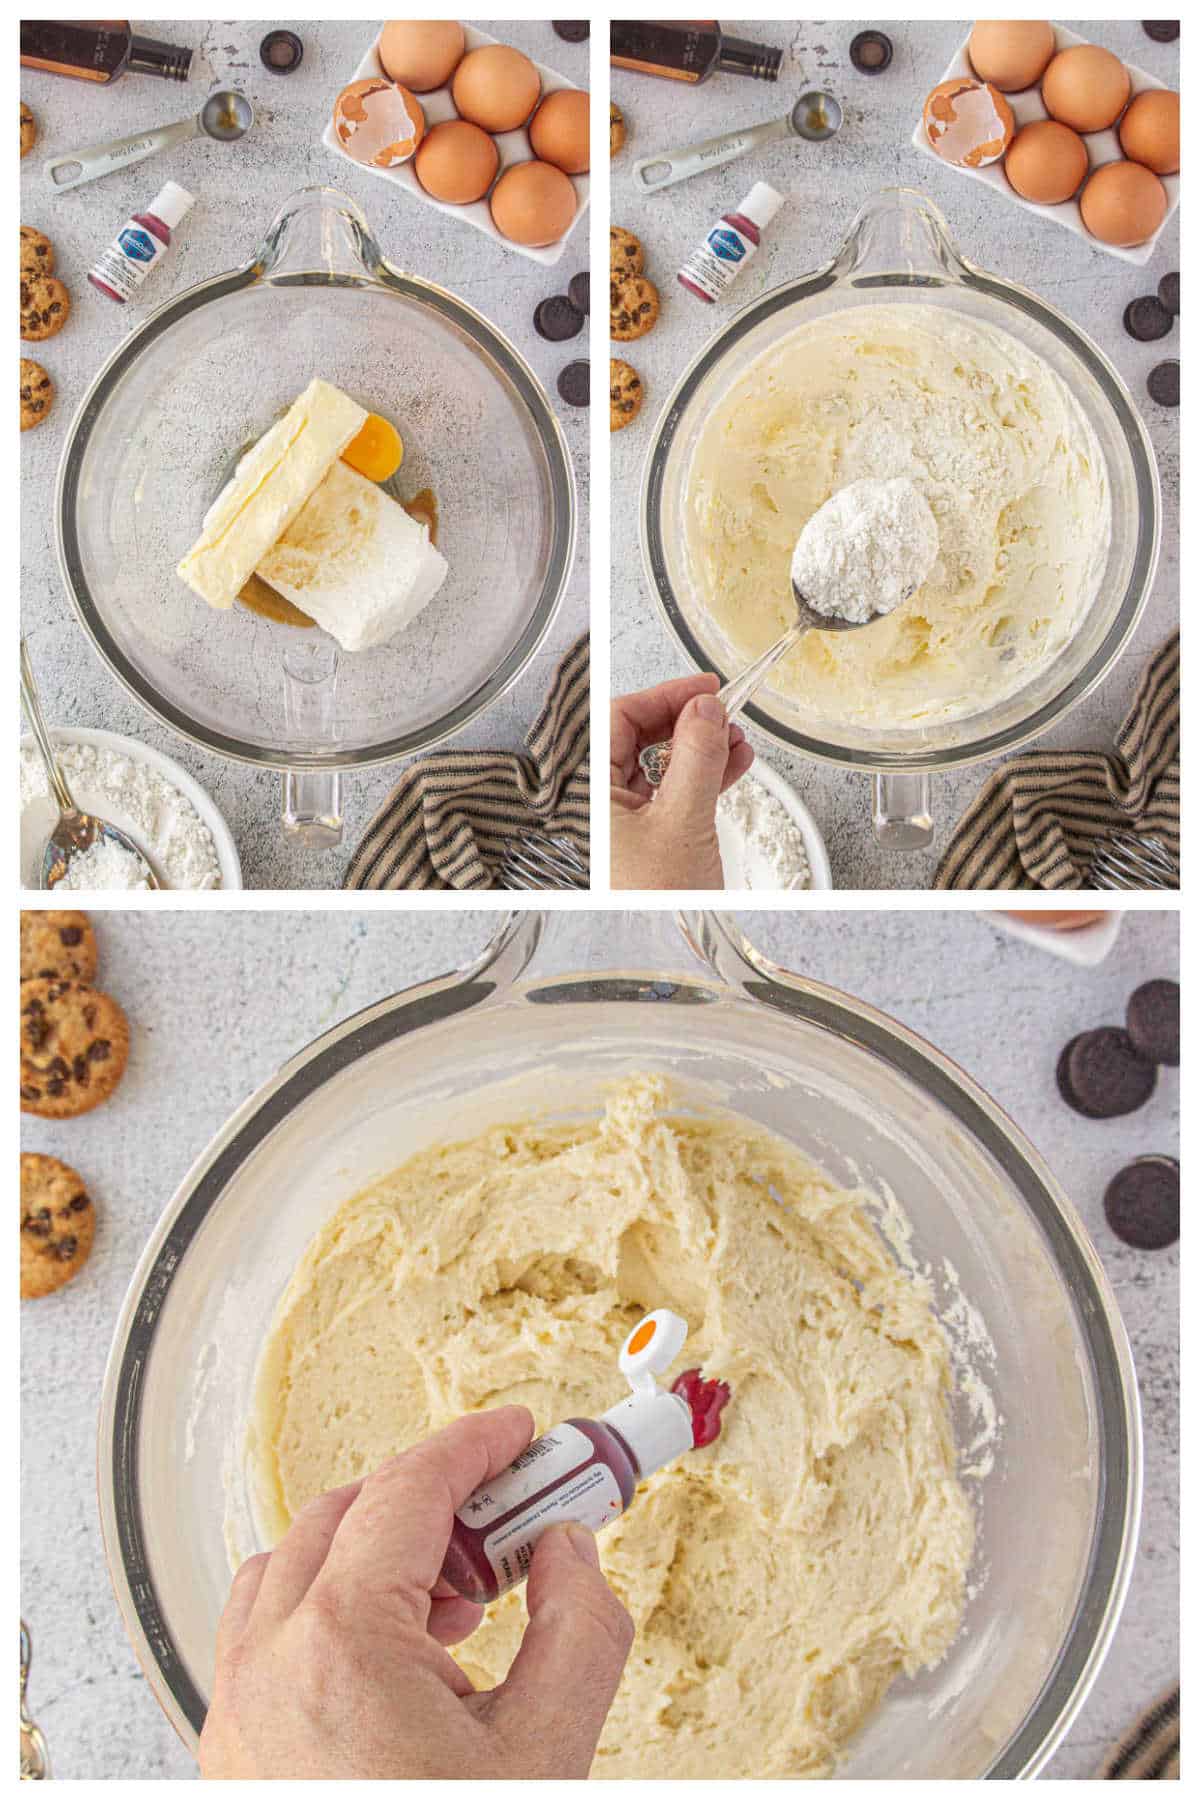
x=861 y=555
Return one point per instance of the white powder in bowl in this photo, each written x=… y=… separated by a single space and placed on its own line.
x=132 y=795
x=761 y=844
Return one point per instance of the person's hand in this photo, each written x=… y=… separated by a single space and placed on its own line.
x=668 y=839
x=330 y=1653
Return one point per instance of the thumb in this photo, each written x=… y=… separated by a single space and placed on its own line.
x=567 y=1671
x=699 y=755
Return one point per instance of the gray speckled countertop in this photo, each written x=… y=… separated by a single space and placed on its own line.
x=202 y=1041
x=238 y=190
x=825 y=185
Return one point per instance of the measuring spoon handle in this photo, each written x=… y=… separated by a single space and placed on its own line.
x=655 y=759
x=654 y=172
x=119 y=153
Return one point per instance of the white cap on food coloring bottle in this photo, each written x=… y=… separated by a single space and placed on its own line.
x=172 y=204
x=761 y=204
x=656 y=1425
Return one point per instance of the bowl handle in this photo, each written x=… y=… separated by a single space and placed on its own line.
x=900 y=814
x=312 y=798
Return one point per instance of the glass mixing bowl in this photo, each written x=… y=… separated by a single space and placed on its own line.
x=900 y=248
x=154 y=441
x=865 y=1098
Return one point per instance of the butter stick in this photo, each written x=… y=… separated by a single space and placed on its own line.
x=268 y=489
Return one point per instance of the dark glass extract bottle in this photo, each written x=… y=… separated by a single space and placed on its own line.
x=98 y=50
x=688 y=50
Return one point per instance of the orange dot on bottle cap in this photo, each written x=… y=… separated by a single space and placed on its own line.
x=641 y=1336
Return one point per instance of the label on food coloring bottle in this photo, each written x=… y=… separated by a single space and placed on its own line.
x=547 y=1459
x=713 y=265
x=592 y=1498
x=128 y=260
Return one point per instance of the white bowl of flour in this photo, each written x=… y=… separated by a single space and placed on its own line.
x=159 y=805
x=769 y=839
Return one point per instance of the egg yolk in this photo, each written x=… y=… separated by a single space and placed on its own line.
x=377 y=450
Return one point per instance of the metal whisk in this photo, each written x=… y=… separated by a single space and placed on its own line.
x=1129 y=862
x=541 y=861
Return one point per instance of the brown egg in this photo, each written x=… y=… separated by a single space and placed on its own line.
x=1123 y=204
x=968 y=123
x=496 y=87
x=1150 y=130
x=558 y=130
x=1085 y=87
x=457 y=162
x=533 y=203
x=378 y=122
x=1046 y=162
x=1010 y=53
x=422 y=53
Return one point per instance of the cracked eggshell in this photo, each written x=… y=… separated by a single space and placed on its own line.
x=378 y=122
x=968 y=123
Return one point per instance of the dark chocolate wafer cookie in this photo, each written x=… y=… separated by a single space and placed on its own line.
x=58 y=1224
x=74 y=1047
x=1152 y=1021
x=58 y=943
x=1102 y=1076
x=1141 y=1203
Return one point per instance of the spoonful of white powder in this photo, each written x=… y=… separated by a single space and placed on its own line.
x=870 y=547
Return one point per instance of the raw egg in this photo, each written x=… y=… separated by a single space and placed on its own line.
x=457 y=162
x=376 y=450
x=1123 y=204
x=533 y=203
x=378 y=122
x=1010 y=53
x=968 y=123
x=1150 y=130
x=422 y=53
x=496 y=87
x=1046 y=162
x=1085 y=87
x=559 y=130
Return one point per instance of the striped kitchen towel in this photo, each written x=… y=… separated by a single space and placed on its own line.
x=1150 y=1752
x=1040 y=818
x=449 y=820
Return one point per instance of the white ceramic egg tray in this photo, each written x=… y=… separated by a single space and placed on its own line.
x=514 y=147
x=1102 y=147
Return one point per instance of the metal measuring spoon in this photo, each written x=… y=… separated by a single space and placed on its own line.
x=655 y=759
x=225 y=116
x=815 y=117
x=35 y=1758
x=76 y=831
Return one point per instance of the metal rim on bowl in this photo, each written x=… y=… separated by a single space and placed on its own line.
x=736 y=968
x=495 y=348
x=958 y=272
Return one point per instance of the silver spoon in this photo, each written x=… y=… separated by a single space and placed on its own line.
x=76 y=831
x=225 y=116
x=815 y=117
x=655 y=759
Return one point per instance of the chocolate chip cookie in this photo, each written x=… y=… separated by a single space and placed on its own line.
x=74 y=1047
x=625 y=394
x=58 y=1224
x=625 y=253
x=28 y=130
x=37 y=252
x=616 y=129
x=37 y=394
x=45 y=307
x=58 y=944
x=634 y=308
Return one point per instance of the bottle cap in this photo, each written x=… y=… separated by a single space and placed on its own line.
x=651 y=1348
x=657 y=1426
x=172 y=204
x=761 y=204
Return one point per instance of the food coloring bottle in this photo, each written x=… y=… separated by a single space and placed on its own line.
x=715 y=264
x=584 y=1472
x=140 y=245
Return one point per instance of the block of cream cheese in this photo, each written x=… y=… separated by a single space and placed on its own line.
x=355 y=562
x=268 y=489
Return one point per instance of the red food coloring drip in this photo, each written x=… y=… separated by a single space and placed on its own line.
x=707 y=1401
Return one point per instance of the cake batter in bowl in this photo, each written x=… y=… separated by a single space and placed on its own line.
x=900 y=358
x=1043 y=1404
